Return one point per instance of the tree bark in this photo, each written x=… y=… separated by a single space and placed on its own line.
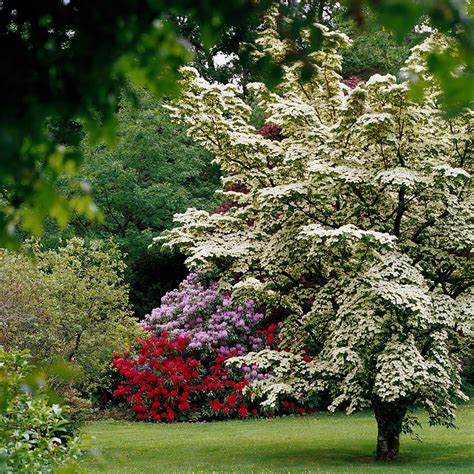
x=389 y=418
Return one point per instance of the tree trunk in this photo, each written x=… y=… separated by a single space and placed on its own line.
x=389 y=418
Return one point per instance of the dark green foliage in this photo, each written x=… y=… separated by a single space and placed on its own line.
x=374 y=50
x=153 y=172
x=152 y=274
x=70 y=60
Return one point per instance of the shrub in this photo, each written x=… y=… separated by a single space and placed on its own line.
x=164 y=382
x=166 y=379
x=35 y=435
x=179 y=372
x=80 y=409
x=86 y=281
x=70 y=303
x=27 y=313
x=209 y=318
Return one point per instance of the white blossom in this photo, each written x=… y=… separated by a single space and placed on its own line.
x=356 y=227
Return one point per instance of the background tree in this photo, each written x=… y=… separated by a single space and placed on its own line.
x=153 y=171
x=353 y=227
x=66 y=60
x=374 y=50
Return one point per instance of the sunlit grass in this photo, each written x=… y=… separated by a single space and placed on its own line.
x=319 y=443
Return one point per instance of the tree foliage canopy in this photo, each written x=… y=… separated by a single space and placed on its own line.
x=70 y=304
x=353 y=225
x=66 y=60
x=153 y=171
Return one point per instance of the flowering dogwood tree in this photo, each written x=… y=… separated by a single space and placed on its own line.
x=353 y=224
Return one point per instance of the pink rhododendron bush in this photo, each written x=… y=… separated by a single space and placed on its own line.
x=178 y=371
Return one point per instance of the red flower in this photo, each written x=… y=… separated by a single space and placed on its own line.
x=243 y=410
x=161 y=373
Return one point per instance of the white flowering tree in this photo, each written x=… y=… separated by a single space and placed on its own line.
x=353 y=224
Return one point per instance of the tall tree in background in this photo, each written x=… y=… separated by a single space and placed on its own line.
x=153 y=171
x=66 y=60
x=374 y=49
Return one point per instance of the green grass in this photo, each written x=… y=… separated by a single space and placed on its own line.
x=319 y=443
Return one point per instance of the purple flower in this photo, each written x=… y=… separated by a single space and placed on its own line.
x=208 y=318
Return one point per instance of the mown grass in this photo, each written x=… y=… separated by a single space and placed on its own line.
x=319 y=443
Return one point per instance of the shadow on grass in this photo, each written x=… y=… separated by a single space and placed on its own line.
x=313 y=444
x=434 y=458
x=431 y=454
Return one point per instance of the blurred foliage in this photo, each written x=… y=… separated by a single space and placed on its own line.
x=35 y=434
x=153 y=171
x=68 y=304
x=66 y=61
x=374 y=50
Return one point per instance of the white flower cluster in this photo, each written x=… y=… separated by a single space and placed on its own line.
x=355 y=225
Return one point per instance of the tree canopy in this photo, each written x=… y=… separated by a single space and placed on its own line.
x=352 y=225
x=69 y=304
x=153 y=171
x=65 y=60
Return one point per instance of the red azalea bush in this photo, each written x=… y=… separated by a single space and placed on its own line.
x=164 y=380
x=179 y=372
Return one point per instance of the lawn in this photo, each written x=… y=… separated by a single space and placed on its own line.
x=319 y=443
